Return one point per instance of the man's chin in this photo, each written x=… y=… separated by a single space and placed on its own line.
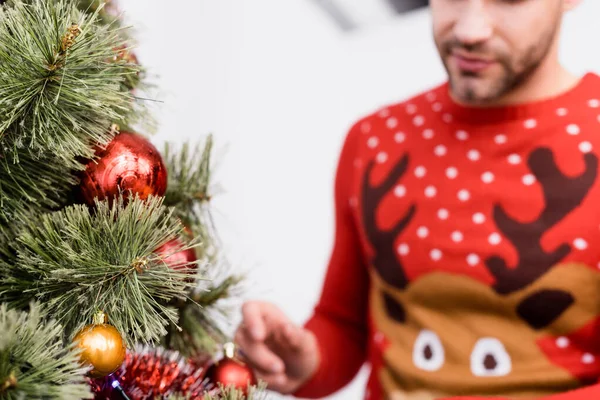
x=467 y=96
x=471 y=92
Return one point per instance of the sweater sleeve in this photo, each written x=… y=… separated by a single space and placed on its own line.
x=339 y=320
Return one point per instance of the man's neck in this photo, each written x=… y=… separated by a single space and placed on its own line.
x=548 y=81
x=542 y=85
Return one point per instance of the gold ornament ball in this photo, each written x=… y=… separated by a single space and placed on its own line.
x=102 y=348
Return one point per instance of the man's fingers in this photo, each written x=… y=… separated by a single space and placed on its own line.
x=258 y=354
x=275 y=382
x=253 y=321
x=293 y=336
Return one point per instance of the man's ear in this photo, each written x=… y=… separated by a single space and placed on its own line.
x=568 y=5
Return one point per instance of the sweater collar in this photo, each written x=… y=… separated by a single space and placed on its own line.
x=586 y=90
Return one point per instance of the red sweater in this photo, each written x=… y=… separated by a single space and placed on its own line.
x=467 y=251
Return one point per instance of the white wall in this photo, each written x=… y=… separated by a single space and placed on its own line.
x=278 y=86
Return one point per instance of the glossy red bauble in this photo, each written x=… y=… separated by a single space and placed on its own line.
x=130 y=163
x=230 y=372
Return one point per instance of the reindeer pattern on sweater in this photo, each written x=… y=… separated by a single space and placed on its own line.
x=481 y=232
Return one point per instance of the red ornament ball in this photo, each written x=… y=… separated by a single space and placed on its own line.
x=230 y=372
x=101 y=346
x=129 y=163
x=176 y=257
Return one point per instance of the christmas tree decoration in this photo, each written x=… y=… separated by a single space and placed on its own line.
x=150 y=373
x=177 y=256
x=101 y=346
x=129 y=163
x=86 y=223
x=231 y=372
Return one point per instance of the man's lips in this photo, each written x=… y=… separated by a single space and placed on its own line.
x=470 y=63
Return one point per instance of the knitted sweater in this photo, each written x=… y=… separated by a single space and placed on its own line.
x=467 y=250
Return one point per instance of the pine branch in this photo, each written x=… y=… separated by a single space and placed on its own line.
x=25 y=188
x=109 y=14
x=61 y=85
x=211 y=296
x=189 y=190
x=77 y=261
x=205 y=320
x=107 y=10
x=34 y=364
x=258 y=392
x=189 y=171
x=28 y=188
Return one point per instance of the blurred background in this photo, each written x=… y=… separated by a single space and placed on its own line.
x=278 y=83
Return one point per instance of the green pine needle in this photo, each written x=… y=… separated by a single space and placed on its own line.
x=189 y=189
x=77 y=261
x=34 y=363
x=257 y=392
x=32 y=186
x=61 y=87
x=202 y=329
x=189 y=173
x=108 y=10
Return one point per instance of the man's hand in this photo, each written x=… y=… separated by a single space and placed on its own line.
x=284 y=355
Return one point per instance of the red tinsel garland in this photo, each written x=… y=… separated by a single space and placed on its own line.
x=151 y=373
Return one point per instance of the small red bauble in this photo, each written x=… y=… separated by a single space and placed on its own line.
x=129 y=163
x=175 y=257
x=230 y=372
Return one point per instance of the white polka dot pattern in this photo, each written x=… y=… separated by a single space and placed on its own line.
x=420 y=171
x=473 y=155
x=472 y=259
x=500 y=139
x=530 y=123
x=373 y=142
x=464 y=195
x=430 y=191
x=400 y=191
x=436 y=254
x=440 y=150
x=457 y=236
x=451 y=172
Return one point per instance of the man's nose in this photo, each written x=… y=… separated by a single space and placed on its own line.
x=474 y=24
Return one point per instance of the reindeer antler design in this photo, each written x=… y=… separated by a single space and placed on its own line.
x=385 y=261
x=562 y=194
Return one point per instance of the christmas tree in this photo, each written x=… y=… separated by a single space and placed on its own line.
x=111 y=279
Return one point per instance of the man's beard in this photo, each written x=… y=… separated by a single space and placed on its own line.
x=514 y=73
